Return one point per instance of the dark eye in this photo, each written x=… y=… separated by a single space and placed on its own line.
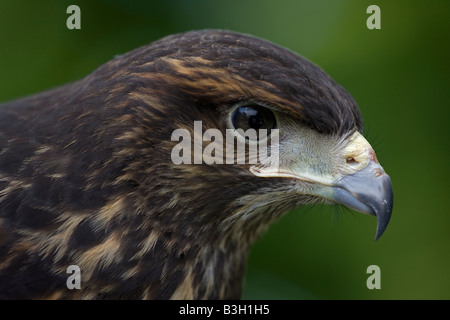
x=254 y=117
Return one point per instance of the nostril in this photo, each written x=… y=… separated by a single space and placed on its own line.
x=351 y=160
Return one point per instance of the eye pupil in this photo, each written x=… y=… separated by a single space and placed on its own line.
x=255 y=122
x=253 y=117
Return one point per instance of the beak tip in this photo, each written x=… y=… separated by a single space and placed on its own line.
x=379 y=233
x=368 y=191
x=385 y=215
x=381 y=227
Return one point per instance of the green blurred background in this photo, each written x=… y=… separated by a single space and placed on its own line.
x=399 y=76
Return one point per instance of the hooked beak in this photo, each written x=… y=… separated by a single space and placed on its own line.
x=367 y=191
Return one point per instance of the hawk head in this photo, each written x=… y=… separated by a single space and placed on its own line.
x=157 y=172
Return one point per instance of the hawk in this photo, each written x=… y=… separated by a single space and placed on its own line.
x=88 y=177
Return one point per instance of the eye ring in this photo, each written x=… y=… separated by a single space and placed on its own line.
x=253 y=121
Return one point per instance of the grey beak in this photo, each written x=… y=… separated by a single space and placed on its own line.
x=367 y=191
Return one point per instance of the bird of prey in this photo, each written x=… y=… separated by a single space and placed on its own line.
x=88 y=178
